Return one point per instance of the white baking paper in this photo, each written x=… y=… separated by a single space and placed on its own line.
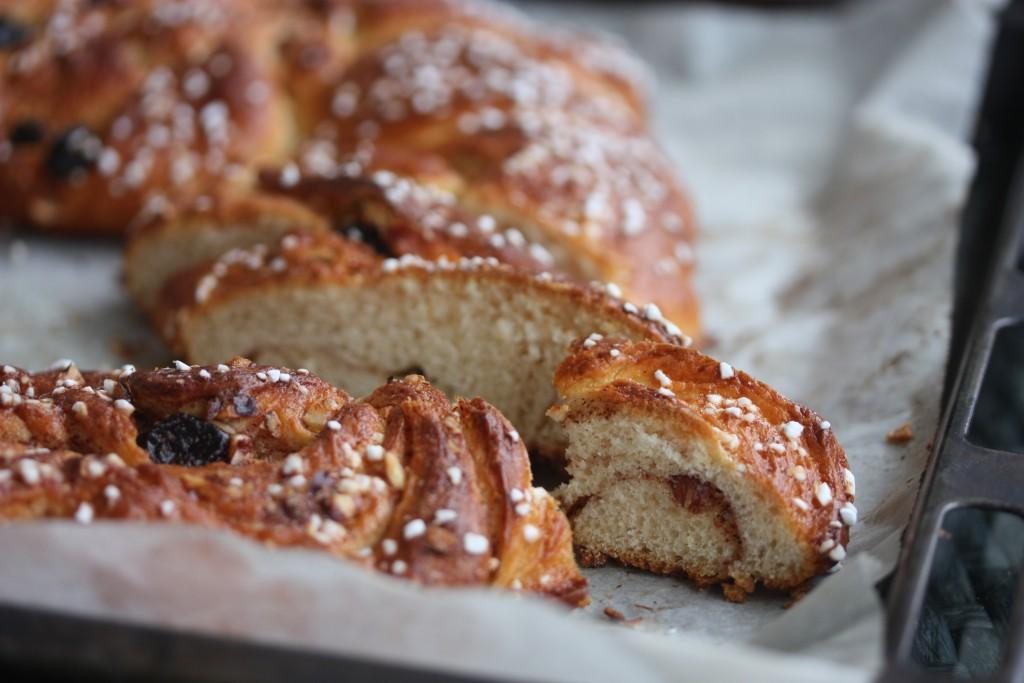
x=826 y=153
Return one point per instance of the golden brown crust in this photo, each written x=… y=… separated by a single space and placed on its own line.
x=414 y=213
x=119 y=109
x=538 y=190
x=594 y=194
x=268 y=413
x=404 y=481
x=324 y=259
x=387 y=94
x=118 y=114
x=544 y=159
x=265 y=415
x=374 y=24
x=789 y=452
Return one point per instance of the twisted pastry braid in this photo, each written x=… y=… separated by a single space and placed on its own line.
x=526 y=143
x=404 y=481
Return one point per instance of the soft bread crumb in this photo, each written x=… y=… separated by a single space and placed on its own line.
x=496 y=336
x=902 y=434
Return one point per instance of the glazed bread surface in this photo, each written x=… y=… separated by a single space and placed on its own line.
x=114 y=112
x=404 y=481
x=118 y=115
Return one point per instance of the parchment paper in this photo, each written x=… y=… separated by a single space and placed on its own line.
x=826 y=153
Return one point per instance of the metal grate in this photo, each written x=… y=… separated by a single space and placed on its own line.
x=966 y=615
x=953 y=607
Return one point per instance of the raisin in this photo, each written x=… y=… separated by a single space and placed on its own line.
x=73 y=153
x=27 y=132
x=185 y=440
x=245 y=405
x=369 y=235
x=12 y=34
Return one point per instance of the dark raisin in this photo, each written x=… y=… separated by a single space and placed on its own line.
x=245 y=405
x=73 y=153
x=27 y=132
x=12 y=34
x=369 y=235
x=185 y=440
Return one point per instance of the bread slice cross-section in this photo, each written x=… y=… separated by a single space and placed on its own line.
x=474 y=328
x=193 y=234
x=680 y=464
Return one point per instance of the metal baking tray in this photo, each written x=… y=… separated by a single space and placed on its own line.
x=964 y=473
x=43 y=645
x=954 y=607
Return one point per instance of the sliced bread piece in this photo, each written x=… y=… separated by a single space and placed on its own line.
x=474 y=328
x=204 y=230
x=680 y=464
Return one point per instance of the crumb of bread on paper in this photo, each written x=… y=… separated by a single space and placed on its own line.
x=734 y=592
x=902 y=434
x=616 y=615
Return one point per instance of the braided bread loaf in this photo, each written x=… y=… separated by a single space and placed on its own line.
x=403 y=481
x=449 y=127
x=680 y=464
x=463 y=154
x=474 y=327
x=114 y=111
